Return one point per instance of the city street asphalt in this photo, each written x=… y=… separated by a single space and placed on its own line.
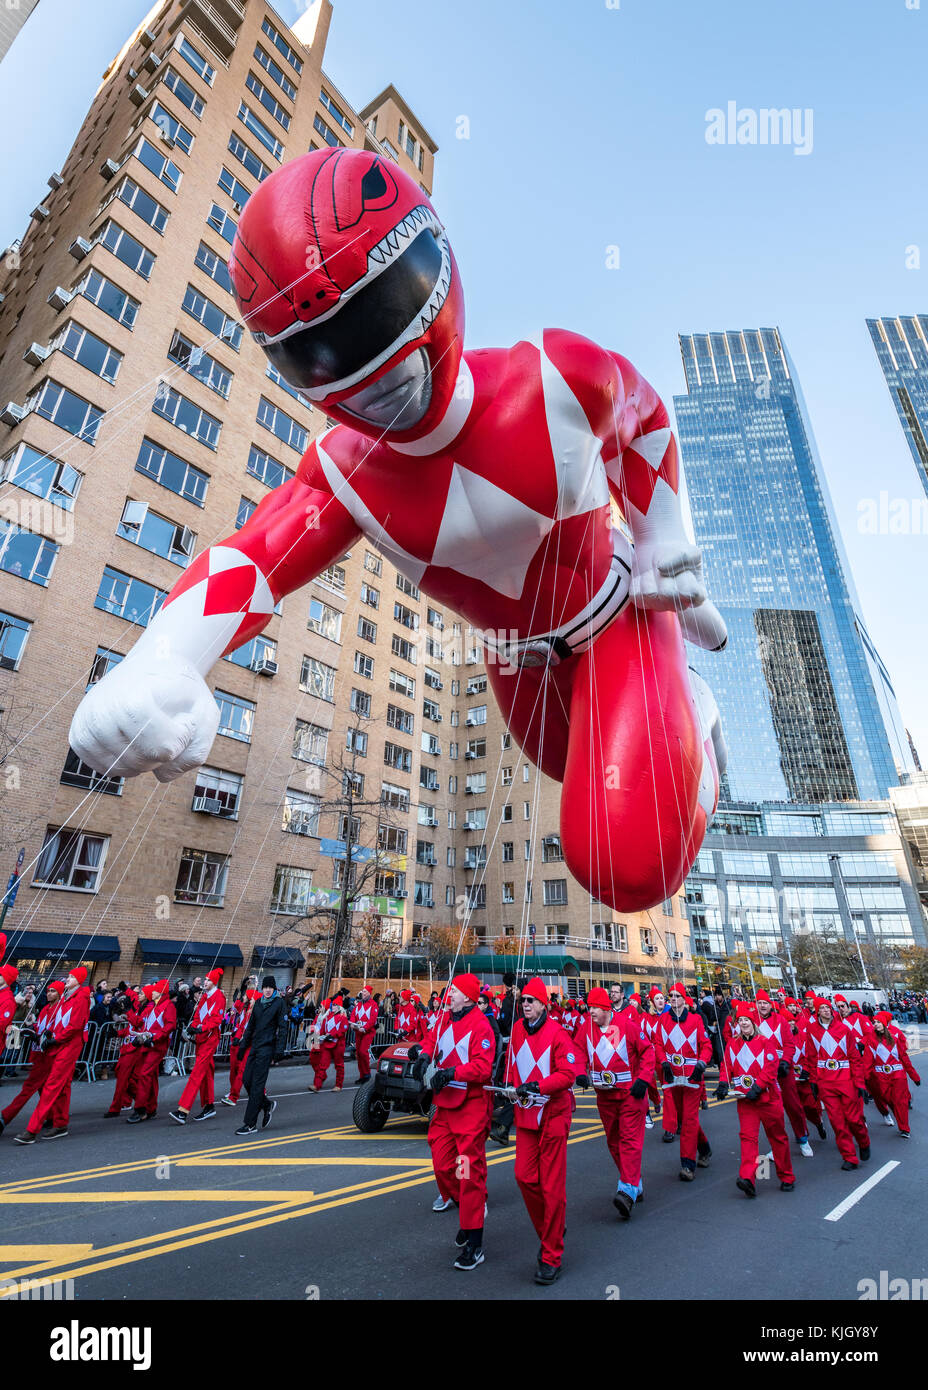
x=312 y=1209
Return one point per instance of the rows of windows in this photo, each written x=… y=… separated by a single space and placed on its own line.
x=247 y=157
x=144 y=206
x=215 y=320
x=282 y=425
x=109 y=297
x=126 y=248
x=276 y=72
x=201 y=365
x=260 y=131
x=213 y=266
x=66 y=410
x=186 y=415
x=268 y=100
x=183 y=91
x=172 y=472
x=196 y=60
x=90 y=351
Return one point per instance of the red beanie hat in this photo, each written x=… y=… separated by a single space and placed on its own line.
x=654 y=991
x=762 y=994
x=9 y=973
x=80 y=974
x=253 y=994
x=470 y=986
x=57 y=986
x=369 y=988
x=743 y=1010
x=160 y=986
x=884 y=1018
x=148 y=990
x=405 y=995
x=599 y=999
x=536 y=989
x=215 y=975
x=678 y=989
x=840 y=999
x=634 y=998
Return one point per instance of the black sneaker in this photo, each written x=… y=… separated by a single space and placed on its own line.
x=460 y=1240
x=111 y=1114
x=547 y=1274
x=24 y=1138
x=687 y=1174
x=269 y=1110
x=822 y=1132
x=703 y=1159
x=847 y=1165
x=470 y=1257
x=623 y=1205
x=224 y=1100
x=747 y=1187
x=61 y=1132
x=787 y=1186
x=668 y=1136
x=178 y=1116
x=137 y=1117
x=207 y=1113
x=247 y=1129
x=865 y=1153
x=500 y=1135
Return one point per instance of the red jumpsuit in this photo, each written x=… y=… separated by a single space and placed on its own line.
x=891 y=1064
x=617 y=1056
x=410 y=1023
x=548 y=1057
x=458 y=1131
x=39 y=1063
x=7 y=1010
x=748 y=1062
x=333 y=1031
x=831 y=1058
x=655 y=1095
x=67 y=1029
x=237 y=1057
x=128 y=1063
x=159 y=1020
x=680 y=1043
x=363 y=1019
x=777 y=1028
x=811 y=1105
x=207 y=1016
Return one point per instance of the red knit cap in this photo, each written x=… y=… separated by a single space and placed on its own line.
x=884 y=1018
x=762 y=994
x=215 y=975
x=80 y=974
x=679 y=989
x=743 y=1011
x=57 y=986
x=469 y=985
x=840 y=999
x=634 y=998
x=147 y=990
x=369 y=988
x=253 y=993
x=654 y=991
x=599 y=999
x=536 y=989
x=159 y=986
x=9 y=973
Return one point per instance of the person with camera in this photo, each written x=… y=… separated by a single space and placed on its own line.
x=264 y=1041
x=205 y=1028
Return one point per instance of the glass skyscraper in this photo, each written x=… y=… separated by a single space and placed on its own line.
x=807 y=708
x=902 y=348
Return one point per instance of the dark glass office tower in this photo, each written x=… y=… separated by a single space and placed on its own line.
x=806 y=704
x=902 y=348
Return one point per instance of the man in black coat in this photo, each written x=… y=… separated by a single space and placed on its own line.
x=264 y=1041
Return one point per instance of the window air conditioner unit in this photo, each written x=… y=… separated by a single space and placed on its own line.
x=11 y=414
x=59 y=298
x=678 y=955
x=211 y=805
x=108 y=168
x=438 y=719
x=132 y=74
x=265 y=668
x=471 y=723
x=470 y=755
x=470 y=825
x=237 y=206
x=138 y=95
x=468 y=791
x=151 y=61
x=299 y=824
x=651 y=950
x=55 y=180
x=79 y=248
x=36 y=354
x=400 y=893
x=552 y=840
x=41 y=213
x=146 y=38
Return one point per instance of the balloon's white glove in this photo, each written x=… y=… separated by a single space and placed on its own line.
x=667 y=576
x=146 y=716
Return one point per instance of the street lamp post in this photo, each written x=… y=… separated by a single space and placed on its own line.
x=839 y=877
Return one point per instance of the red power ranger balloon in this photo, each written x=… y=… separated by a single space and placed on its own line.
x=493 y=479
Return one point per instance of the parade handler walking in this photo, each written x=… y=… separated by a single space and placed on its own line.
x=205 y=1026
x=749 y=1068
x=363 y=1021
x=461 y=1046
x=541 y=1065
x=618 y=1057
x=63 y=1039
x=683 y=1050
x=263 y=1042
x=832 y=1061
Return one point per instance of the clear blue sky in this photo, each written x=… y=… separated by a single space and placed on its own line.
x=587 y=129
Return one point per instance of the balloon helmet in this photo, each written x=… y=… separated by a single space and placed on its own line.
x=344 y=274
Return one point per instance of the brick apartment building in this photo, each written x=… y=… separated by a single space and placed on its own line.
x=140 y=425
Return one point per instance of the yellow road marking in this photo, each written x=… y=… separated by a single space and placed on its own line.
x=39 y=1255
x=181 y=1194
x=328 y=1162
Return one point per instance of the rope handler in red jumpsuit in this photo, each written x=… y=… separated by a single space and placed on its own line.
x=129 y=1060
x=456 y=1060
x=832 y=1061
x=811 y=1105
x=39 y=1063
x=363 y=1022
x=749 y=1068
x=328 y=1047
x=618 y=1058
x=488 y=478
x=63 y=1039
x=156 y=1027
x=541 y=1064
x=891 y=1064
x=205 y=1027
x=683 y=1051
x=776 y=1025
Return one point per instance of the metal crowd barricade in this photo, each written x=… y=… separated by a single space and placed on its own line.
x=15 y=1055
x=385 y=1035
x=101 y=1050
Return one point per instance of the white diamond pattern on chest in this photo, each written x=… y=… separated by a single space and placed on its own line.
x=606 y=1052
x=447 y=1046
x=744 y=1057
x=829 y=1044
x=526 y=1062
x=676 y=1036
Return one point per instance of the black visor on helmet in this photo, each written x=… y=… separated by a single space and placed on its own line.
x=366 y=325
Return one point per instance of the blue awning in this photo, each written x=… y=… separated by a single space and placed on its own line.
x=189 y=952
x=40 y=945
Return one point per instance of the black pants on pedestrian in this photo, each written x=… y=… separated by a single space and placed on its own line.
x=255 y=1080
